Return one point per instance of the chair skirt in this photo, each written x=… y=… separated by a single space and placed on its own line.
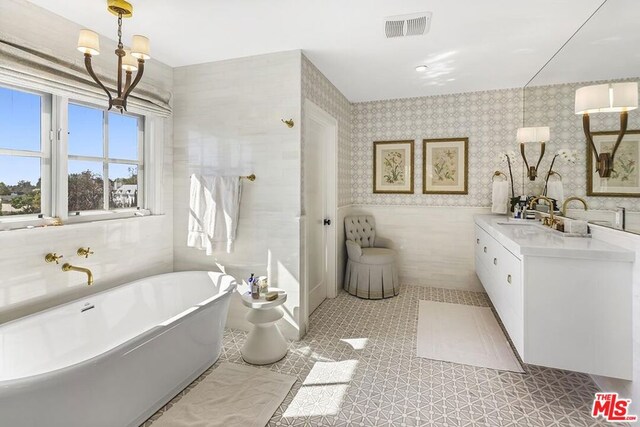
x=371 y=281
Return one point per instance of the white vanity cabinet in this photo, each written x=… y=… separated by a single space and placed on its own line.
x=564 y=301
x=500 y=272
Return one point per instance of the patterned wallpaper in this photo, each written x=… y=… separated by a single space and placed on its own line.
x=489 y=119
x=553 y=106
x=318 y=89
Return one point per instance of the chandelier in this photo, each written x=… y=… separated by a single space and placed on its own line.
x=128 y=60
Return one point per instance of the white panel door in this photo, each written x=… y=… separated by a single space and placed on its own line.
x=316 y=137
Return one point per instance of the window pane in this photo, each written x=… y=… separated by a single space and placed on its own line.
x=123 y=137
x=19 y=120
x=85 y=131
x=86 y=186
x=123 y=186
x=19 y=185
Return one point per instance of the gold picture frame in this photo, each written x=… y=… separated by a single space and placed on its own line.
x=445 y=166
x=625 y=178
x=393 y=167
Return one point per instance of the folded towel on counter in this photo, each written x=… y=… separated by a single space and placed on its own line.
x=555 y=190
x=500 y=196
x=214 y=204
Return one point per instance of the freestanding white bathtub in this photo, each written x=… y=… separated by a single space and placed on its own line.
x=112 y=359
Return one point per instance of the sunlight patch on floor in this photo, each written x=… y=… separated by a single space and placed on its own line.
x=356 y=343
x=323 y=390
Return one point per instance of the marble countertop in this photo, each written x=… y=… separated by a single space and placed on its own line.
x=523 y=237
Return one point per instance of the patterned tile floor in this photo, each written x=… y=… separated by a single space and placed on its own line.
x=357 y=366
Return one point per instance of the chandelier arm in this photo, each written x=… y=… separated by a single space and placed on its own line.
x=135 y=81
x=89 y=67
x=127 y=82
x=118 y=52
x=624 y=117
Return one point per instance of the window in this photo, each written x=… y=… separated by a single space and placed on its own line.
x=105 y=160
x=22 y=151
x=100 y=160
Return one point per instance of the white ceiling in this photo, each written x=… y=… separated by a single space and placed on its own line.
x=472 y=45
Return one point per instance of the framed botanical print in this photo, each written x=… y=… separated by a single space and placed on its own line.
x=445 y=166
x=393 y=167
x=625 y=178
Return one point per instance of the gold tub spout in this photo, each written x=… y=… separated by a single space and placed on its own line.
x=69 y=267
x=566 y=202
x=550 y=203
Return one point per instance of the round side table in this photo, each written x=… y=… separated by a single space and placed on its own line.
x=265 y=343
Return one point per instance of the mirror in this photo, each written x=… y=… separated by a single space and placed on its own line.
x=603 y=50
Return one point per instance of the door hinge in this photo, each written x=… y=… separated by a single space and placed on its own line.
x=51 y=135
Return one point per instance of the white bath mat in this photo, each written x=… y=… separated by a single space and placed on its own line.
x=232 y=395
x=463 y=334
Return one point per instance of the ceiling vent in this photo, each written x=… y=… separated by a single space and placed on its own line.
x=414 y=24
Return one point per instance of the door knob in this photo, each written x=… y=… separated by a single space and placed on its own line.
x=327 y=221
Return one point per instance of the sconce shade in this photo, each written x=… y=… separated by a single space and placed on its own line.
x=607 y=98
x=89 y=42
x=140 y=47
x=533 y=134
x=129 y=63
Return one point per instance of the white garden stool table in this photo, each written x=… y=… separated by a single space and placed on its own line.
x=265 y=343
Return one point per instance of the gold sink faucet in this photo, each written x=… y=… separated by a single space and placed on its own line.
x=69 y=267
x=550 y=203
x=566 y=202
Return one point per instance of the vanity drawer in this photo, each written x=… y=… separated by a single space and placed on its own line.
x=486 y=247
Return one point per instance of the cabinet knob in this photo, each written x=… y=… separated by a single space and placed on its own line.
x=485 y=249
x=495 y=261
x=509 y=278
x=477 y=241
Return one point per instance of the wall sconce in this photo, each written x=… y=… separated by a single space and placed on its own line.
x=606 y=98
x=533 y=134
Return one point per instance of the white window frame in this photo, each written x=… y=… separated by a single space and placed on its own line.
x=106 y=160
x=44 y=155
x=54 y=166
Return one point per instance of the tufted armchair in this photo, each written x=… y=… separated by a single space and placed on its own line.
x=371 y=271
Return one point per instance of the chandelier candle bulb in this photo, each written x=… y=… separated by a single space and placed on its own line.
x=89 y=42
x=140 y=47
x=129 y=63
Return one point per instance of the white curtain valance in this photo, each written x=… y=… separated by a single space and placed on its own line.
x=23 y=66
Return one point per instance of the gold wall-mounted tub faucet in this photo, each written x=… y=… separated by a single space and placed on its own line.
x=85 y=252
x=69 y=267
x=52 y=257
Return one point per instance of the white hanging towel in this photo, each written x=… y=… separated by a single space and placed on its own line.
x=500 y=196
x=214 y=204
x=555 y=190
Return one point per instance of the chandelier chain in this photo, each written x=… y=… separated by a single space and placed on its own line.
x=120 y=45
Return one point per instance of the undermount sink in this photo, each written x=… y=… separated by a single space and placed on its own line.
x=517 y=224
x=529 y=227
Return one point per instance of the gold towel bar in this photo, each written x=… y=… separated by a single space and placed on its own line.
x=251 y=177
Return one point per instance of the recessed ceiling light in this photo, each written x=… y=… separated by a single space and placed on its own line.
x=421 y=68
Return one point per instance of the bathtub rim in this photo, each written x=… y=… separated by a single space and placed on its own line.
x=132 y=343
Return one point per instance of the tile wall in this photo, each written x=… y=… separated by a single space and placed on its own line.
x=227 y=122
